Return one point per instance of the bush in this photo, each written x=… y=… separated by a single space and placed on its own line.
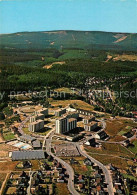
x=2 y=116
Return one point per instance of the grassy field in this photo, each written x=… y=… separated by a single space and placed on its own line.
x=8 y=166
x=117 y=127
x=118 y=162
x=79 y=167
x=73 y=54
x=130 y=177
x=35 y=165
x=115 y=154
x=109 y=149
x=26 y=130
x=125 y=57
x=2 y=178
x=5 y=149
x=61 y=189
x=134 y=149
x=76 y=103
x=11 y=190
x=8 y=136
x=64 y=89
x=43 y=132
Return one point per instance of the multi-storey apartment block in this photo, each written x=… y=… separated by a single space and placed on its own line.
x=36 y=126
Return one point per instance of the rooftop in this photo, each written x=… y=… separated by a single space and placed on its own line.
x=88 y=117
x=72 y=119
x=91 y=123
x=60 y=109
x=36 y=143
x=27 y=137
x=36 y=122
x=28 y=155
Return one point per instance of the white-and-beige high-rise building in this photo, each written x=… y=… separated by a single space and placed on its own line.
x=64 y=124
x=37 y=117
x=36 y=126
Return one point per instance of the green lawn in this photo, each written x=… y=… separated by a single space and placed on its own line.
x=43 y=132
x=126 y=130
x=130 y=177
x=73 y=54
x=134 y=149
x=8 y=136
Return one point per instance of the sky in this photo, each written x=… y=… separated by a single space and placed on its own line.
x=88 y=15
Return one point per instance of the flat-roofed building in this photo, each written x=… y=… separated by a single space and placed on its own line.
x=36 y=126
x=71 y=115
x=43 y=111
x=88 y=119
x=32 y=119
x=72 y=124
x=60 y=112
x=28 y=155
x=37 y=117
x=27 y=138
x=102 y=135
x=84 y=112
x=62 y=125
x=36 y=145
x=91 y=126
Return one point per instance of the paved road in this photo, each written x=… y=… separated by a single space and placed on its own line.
x=23 y=124
x=29 y=187
x=46 y=137
x=66 y=165
x=105 y=170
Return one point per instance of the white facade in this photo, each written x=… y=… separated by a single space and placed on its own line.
x=64 y=125
x=37 y=117
x=36 y=126
x=90 y=126
x=96 y=136
x=88 y=120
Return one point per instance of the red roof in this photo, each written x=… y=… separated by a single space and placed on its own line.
x=135 y=112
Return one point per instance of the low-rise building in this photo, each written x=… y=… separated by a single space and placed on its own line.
x=88 y=119
x=36 y=145
x=60 y=112
x=72 y=115
x=101 y=135
x=91 y=142
x=84 y=112
x=27 y=138
x=36 y=126
x=28 y=155
x=91 y=126
x=42 y=111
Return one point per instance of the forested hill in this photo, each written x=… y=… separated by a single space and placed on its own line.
x=69 y=39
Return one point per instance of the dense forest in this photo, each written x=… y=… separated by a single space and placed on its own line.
x=21 y=69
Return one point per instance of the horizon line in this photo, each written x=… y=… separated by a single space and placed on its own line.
x=69 y=30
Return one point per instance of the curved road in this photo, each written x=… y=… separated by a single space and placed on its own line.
x=105 y=170
x=66 y=165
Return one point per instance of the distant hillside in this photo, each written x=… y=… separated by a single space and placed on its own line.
x=69 y=39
